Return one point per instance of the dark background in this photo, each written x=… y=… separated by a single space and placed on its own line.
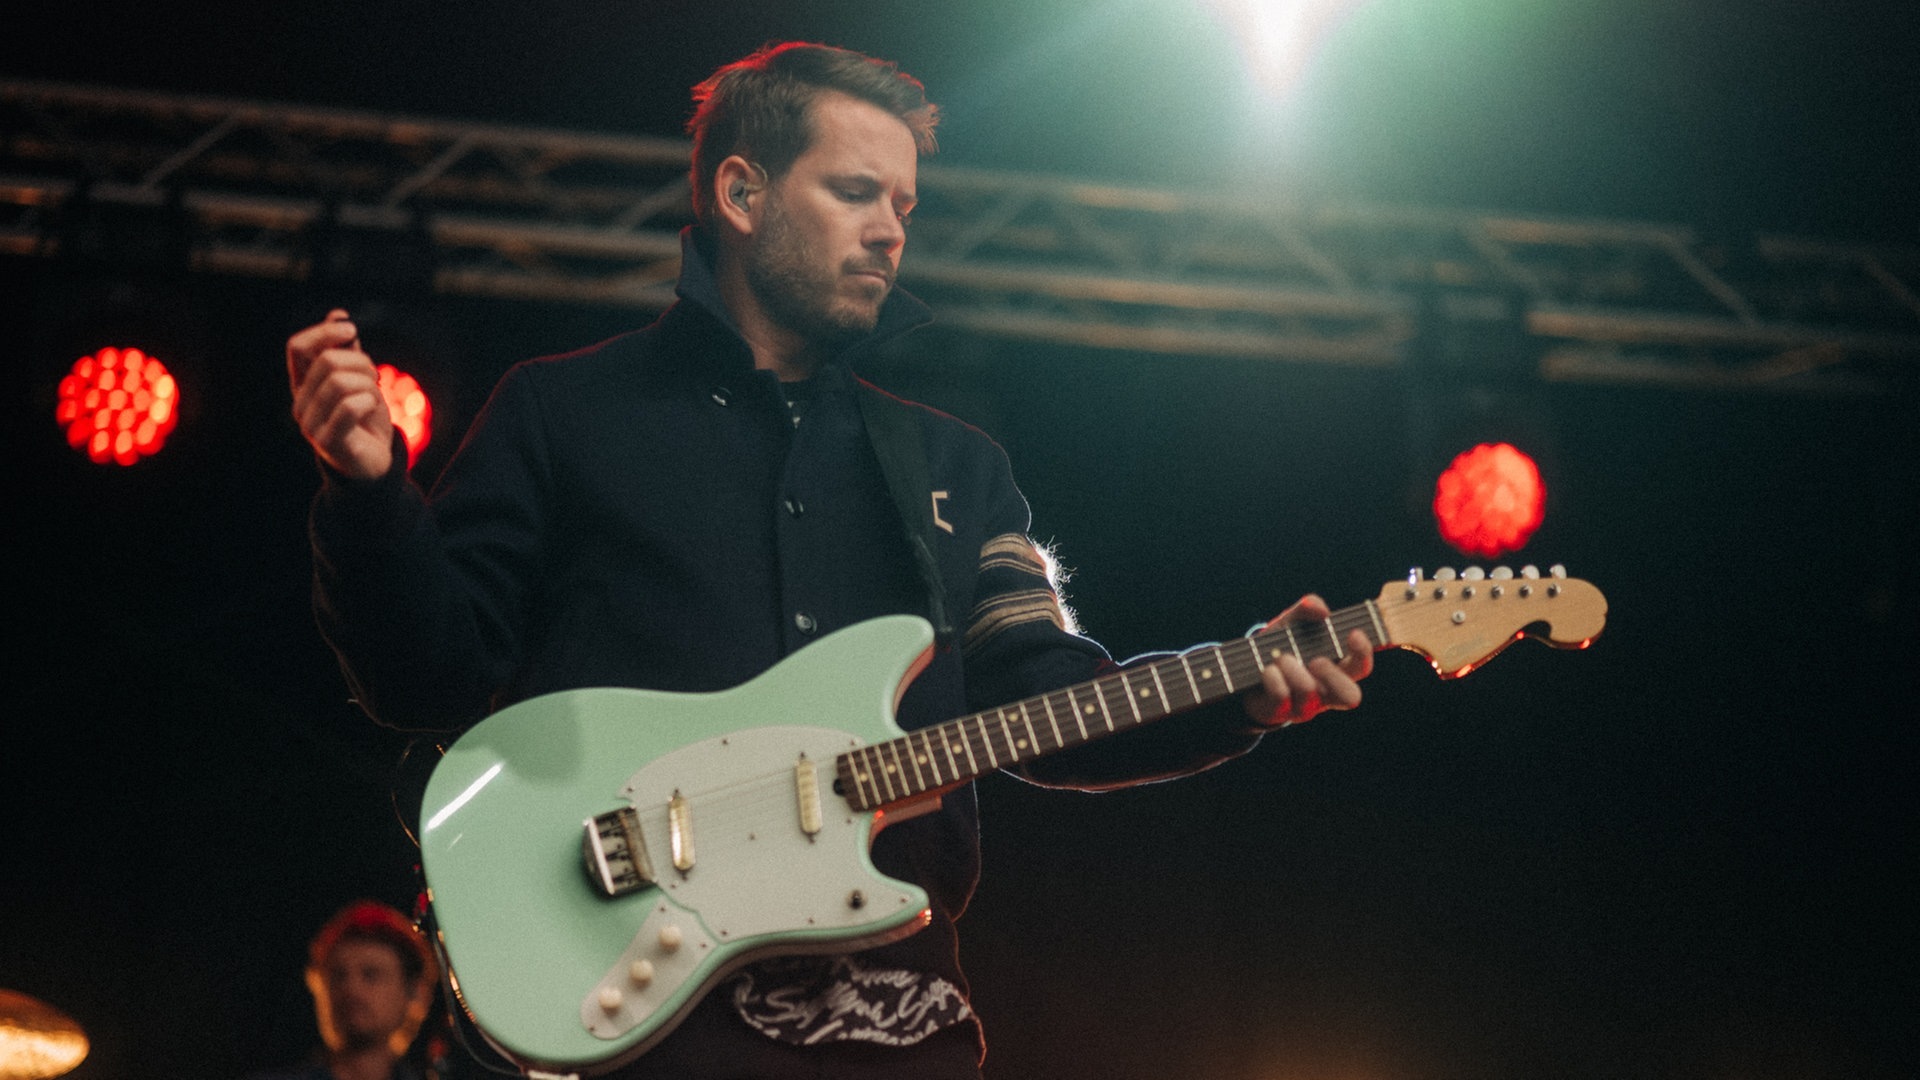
x=1681 y=853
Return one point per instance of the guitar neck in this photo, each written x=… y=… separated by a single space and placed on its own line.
x=960 y=750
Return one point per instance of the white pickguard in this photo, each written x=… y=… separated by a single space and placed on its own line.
x=744 y=820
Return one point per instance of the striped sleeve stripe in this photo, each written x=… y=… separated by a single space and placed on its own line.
x=1008 y=610
x=1012 y=551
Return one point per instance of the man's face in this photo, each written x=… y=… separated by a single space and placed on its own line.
x=831 y=228
x=367 y=993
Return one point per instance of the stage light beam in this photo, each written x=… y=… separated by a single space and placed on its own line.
x=1279 y=39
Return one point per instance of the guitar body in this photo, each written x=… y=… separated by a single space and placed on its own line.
x=562 y=976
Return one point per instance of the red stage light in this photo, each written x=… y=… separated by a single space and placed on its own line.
x=1490 y=500
x=118 y=405
x=408 y=405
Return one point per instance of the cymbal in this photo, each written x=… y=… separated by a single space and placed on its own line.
x=37 y=1041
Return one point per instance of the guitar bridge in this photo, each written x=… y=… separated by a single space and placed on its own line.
x=615 y=852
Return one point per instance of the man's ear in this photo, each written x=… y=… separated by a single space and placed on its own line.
x=736 y=185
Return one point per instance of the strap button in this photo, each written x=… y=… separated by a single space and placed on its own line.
x=804 y=622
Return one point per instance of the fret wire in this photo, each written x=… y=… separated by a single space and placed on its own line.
x=903 y=755
x=966 y=743
x=1100 y=690
x=1192 y=686
x=849 y=774
x=862 y=779
x=986 y=740
x=1159 y=688
x=1078 y=718
x=894 y=770
x=1026 y=718
x=1379 y=629
x=1006 y=732
x=1226 y=676
x=946 y=743
x=886 y=771
x=933 y=761
x=1059 y=740
x=1339 y=651
x=885 y=775
x=1126 y=687
x=919 y=777
x=872 y=780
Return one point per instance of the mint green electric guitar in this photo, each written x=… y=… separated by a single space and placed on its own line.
x=598 y=859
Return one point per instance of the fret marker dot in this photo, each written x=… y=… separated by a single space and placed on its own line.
x=1021 y=743
x=1089 y=710
x=921 y=759
x=1206 y=673
x=1146 y=693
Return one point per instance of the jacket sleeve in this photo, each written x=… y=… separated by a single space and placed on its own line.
x=424 y=600
x=1019 y=640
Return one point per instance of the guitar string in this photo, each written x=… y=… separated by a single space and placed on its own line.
x=975 y=732
x=747 y=799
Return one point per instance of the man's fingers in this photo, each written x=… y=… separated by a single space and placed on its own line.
x=1298 y=691
x=337 y=388
x=330 y=377
x=1336 y=688
x=303 y=348
x=1309 y=606
x=1358 y=663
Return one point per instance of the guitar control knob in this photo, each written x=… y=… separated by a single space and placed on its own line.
x=641 y=972
x=610 y=998
x=671 y=938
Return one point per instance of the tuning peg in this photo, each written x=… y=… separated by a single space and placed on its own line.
x=1557 y=570
x=1530 y=572
x=1502 y=573
x=1473 y=573
x=1415 y=576
x=1445 y=573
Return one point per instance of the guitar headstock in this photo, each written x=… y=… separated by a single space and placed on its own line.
x=1460 y=621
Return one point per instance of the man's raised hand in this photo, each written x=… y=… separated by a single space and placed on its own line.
x=336 y=398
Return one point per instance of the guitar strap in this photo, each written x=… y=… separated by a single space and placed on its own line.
x=894 y=432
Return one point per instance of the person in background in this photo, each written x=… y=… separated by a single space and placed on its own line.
x=372 y=978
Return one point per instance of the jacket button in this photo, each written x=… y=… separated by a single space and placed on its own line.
x=722 y=396
x=795 y=507
x=804 y=622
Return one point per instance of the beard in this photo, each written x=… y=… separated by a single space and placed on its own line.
x=799 y=292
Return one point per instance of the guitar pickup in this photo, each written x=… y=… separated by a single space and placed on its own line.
x=616 y=853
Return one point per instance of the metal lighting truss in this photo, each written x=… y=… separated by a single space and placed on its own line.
x=564 y=216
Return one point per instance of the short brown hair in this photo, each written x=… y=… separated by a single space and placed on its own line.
x=369 y=920
x=759 y=107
